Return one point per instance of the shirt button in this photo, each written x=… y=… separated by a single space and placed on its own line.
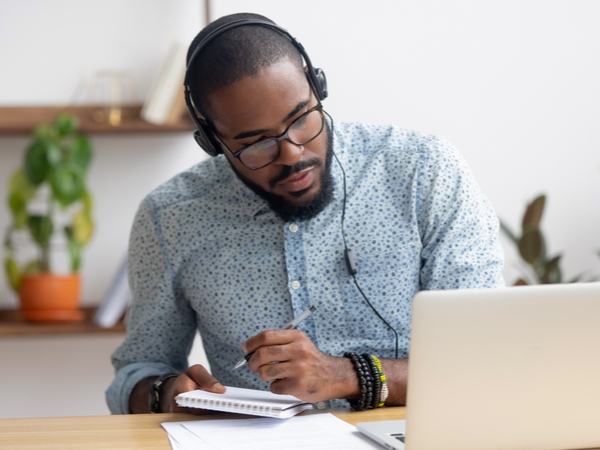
x=321 y=405
x=293 y=228
x=295 y=284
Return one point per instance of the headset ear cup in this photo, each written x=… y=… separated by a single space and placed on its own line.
x=321 y=82
x=205 y=139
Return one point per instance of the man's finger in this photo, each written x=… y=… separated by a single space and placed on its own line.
x=271 y=337
x=204 y=380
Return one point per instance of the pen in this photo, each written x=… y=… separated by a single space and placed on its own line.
x=293 y=324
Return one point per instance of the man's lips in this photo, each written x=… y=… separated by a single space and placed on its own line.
x=299 y=180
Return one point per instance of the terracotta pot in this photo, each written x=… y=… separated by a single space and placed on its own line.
x=50 y=297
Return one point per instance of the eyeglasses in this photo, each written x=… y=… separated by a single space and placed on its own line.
x=300 y=132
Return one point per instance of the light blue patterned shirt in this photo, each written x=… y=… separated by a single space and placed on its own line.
x=208 y=254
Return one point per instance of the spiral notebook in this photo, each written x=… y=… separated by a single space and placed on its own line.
x=244 y=401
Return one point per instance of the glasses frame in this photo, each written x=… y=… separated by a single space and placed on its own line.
x=279 y=138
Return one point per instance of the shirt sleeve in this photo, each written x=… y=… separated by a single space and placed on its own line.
x=161 y=326
x=458 y=227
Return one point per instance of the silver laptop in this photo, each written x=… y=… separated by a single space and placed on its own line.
x=510 y=368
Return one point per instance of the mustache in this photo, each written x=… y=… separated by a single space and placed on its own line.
x=290 y=170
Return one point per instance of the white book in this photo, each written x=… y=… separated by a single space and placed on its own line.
x=116 y=300
x=244 y=401
x=166 y=87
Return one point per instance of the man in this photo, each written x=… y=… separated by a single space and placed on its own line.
x=239 y=244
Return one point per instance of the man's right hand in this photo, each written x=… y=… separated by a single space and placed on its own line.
x=196 y=377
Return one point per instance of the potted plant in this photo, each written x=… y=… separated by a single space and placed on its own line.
x=50 y=207
x=531 y=244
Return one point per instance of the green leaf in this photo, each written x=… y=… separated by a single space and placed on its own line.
x=80 y=152
x=533 y=213
x=40 y=157
x=13 y=273
x=75 y=253
x=83 y=227
x=32 y=267
x=530 y=245
x=88 y=203
x=509 y=233
x=18 y=206
x=36 y=163
x=66 y=123
x=45 y=132
x=20 y=184
x=68 y=183
x=41 y=228
x=552 y=273
x=577 y=278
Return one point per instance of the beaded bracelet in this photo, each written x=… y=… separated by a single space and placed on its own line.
x=370 y=382
x=365 y=382
x=384 y=387
x=376 y=380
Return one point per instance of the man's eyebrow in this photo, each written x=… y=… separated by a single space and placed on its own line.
x=298 y=107
x=247 y=134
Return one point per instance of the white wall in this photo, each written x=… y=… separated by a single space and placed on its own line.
x=513 y=84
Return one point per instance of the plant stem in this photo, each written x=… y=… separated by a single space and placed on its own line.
x=45 y=256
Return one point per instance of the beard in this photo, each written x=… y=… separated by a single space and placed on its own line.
x=291 y=212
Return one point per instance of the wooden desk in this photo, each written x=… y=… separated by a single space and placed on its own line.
x=129 y=432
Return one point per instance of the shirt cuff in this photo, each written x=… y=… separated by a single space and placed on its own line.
x=117 y=394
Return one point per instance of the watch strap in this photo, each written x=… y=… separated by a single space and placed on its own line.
x=154 y=399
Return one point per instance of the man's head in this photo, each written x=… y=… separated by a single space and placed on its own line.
x=249 y=84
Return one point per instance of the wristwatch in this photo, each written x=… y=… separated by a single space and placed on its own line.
x=154 y=400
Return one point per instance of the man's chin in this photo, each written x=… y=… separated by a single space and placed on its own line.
x=303 y=196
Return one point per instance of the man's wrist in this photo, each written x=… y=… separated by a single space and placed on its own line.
x=157 y=400
x=348 y=387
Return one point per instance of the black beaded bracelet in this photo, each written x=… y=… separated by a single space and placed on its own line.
x=369 y=377
x=376 y=380
x=365 y=382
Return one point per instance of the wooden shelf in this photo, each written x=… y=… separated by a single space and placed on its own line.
x=21 y=120
x=13 y=324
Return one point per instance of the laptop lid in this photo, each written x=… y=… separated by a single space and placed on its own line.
x=507 y=368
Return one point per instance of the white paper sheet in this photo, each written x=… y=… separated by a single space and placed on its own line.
x=314 y=432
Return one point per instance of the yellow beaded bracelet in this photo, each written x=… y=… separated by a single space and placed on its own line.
x=384 y=387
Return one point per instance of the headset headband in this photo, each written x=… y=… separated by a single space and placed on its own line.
x=204 y=135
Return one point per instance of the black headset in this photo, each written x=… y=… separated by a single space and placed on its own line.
x=204 y=134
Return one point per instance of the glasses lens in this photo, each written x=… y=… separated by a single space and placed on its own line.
x=306 y=127
x=303 y=130
x=260 y=154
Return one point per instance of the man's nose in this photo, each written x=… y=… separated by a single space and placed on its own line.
x=289 y=153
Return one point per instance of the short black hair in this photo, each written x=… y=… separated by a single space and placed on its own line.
x=235 y=54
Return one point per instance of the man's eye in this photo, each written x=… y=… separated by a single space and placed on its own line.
x=300 y=120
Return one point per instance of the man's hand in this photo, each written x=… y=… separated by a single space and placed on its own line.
x=196 y=377
x=295 y=366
